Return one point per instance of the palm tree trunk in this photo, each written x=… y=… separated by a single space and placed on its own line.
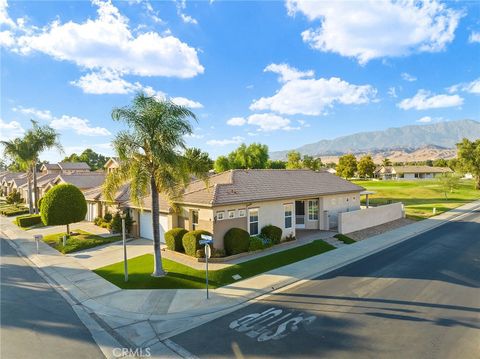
x=35 y=189
x=157 y=265
x=30 y=206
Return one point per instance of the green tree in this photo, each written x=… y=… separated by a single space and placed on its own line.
x=449 y=182
x=468 y=153
x=440 y=163
x=366 y=167
x=63 y=204
x=386 y=162
x=93 y=159
x=429 y=163
x=294 y=160
x=221 y=164
x=276 y=164
x=151 y=159
x=311 y=163
x=347 y=166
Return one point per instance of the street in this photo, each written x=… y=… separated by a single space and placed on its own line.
x=418 y=299
x=36 y=322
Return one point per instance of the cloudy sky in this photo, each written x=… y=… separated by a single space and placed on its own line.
x=280 y=73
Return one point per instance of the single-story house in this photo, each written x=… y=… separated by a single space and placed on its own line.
x=251 y=199
x=410 y=172
x=65 y=167
x=97 y=204
x=84 y=181
x=6 y=181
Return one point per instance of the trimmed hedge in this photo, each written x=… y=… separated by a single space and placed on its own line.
x=236 y=240
x=28 y=220
x=272 y=232
x=63 y=204
x=173 y=239
x=190 y=241
x=256 y=243
x=10 y=211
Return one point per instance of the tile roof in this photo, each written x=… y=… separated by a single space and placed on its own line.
x=51 y=166
x=96 y=194
x=70 y=166
x=82 y=180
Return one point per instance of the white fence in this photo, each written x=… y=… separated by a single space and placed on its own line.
x=365 y=218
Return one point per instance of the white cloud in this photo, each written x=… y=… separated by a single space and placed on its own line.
x=407 y=77
x=107 y=42
x=182 y=101
x=424 y=100
x=313 y=96
x=425 y=119
x=474 y=37
x=105 y=82
x=44 y=115
x=470 y=87
x=4 y=17
x=392 y=92
x=372 y=29
x=269 y=122
x=232 y=141
x=288 y=73
x=236 y=121
x=79 y=125
x=10 y=130
x=181 y=5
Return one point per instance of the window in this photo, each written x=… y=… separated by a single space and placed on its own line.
x=241 y=213
x=231 y=213
x=313 y=210
x=220 y=215
x=253 y=222
x=194 y=220
x=288 y=209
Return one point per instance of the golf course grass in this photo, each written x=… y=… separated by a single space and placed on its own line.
x=180 y=276
x=420 y=197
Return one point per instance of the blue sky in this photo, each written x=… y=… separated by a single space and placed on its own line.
x=281 y=73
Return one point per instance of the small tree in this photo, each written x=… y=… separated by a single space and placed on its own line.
x=294 y=160
x=366 y=167
x=469 y=158
x=386 y=162
x=62 y=205
x=221 y=164
x=347 y=166
x=449 y=183
x=14 y=197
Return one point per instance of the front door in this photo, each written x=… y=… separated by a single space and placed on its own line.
x=299 y=214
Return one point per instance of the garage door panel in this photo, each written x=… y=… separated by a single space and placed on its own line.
x=146 y=227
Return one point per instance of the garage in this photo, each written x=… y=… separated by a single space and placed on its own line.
x=146 y=228
x=92 y=211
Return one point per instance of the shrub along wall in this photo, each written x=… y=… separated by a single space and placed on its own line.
x=235 y=241
x=190 y=241
x=173 y=239
x=273 y=233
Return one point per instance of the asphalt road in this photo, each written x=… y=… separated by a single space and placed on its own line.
x=35 y=321
x=418 y=299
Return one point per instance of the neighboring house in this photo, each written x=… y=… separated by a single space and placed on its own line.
x=112 y=164
x=410 y=172
x=6 y=179
x=65 y=167
x=84 y=181
x=251 y=199
x=333 y=171
x=97 y=204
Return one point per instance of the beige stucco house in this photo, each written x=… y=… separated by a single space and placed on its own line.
x=410 y=172
x=293 y=200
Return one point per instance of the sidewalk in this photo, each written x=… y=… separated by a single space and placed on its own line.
x=144 y=318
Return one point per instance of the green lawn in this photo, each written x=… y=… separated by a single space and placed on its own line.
x=421 y=196
x=180 y=276
x=76 y=243
x=345 y=239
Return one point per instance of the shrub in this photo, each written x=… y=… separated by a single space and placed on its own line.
x=14 y=197
x=116 y=223
x=190 y=241
x=107 y=217
x=28 y=220
x=174 y=237
x=272 y=232
x=98 y=220
x=256 y=243
x=216 y=253
x=63 y=204
x=267 y=242
x=290 y=238
x=13 y=211
x=236 y=240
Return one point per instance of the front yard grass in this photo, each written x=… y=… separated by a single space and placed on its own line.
x=421 y=196
x=345 y=239
x=180 y=276
x=83 y=240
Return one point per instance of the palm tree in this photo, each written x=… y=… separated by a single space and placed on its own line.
x=386 y=162
x=151 y=159
x=20 y=151
x=40 y=138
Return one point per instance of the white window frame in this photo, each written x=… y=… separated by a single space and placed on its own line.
x=285 y=206
x=250 y=210
x=220 y=215
x=231 y=213
x=310 y=201
x=242 y=212
x=195 y=225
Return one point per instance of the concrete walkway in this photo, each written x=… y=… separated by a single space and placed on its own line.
x=145 y=318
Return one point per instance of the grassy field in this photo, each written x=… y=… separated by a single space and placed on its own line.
x=83 y=240
x=180 y=276
x=421 y=196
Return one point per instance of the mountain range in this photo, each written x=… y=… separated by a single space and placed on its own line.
x=413 y=143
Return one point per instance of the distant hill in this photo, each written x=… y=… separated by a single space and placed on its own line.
x=433 y=140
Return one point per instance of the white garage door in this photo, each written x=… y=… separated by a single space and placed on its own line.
x=146 y=228
x=91 y=211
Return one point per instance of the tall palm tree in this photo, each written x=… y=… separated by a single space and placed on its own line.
x=20 y=151
x=386 y=162
x=151 y=157
x=40 y=138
